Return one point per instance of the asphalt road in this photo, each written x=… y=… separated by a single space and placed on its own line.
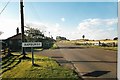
x=89 y=63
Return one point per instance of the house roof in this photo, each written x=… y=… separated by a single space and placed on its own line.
x=17 y=36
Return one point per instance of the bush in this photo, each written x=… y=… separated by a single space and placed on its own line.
x=54 y=46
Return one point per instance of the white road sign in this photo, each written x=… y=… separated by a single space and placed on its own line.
x=31 y=44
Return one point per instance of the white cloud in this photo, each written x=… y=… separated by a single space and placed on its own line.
x=8 y=27
x=53 y=28
x=63 y=19
x=98 y=28
x=91 y=28
x=57 y=25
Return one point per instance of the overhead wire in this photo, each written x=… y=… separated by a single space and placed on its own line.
x=4 y=7
x=35 y=12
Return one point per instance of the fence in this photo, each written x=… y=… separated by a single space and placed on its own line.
x=5 y=52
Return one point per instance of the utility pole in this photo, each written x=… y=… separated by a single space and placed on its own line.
x=22 y=25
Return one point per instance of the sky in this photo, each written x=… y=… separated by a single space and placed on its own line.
x=95 y=20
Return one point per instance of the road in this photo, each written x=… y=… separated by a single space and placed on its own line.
x=89 y=63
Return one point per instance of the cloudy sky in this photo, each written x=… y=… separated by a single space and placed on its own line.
x=95 y=20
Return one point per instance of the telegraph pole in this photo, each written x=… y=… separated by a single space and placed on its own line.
x=22 y=25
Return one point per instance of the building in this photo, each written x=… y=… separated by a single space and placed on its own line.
x=14 y=42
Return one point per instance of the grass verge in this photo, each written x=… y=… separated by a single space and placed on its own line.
x=15 y=67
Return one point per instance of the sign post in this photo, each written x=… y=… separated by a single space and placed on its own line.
x=32 y=55
x=31 y=45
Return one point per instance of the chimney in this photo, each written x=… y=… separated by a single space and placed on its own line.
x=17 y=30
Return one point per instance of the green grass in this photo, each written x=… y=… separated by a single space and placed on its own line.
x=38 y=49
x=55 y=46
x=15 y=67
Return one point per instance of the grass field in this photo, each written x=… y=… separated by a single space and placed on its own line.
x=107 y=48
x=78 y=42
x=16 y=67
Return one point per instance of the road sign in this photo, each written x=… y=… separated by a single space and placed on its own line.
x=31 y=44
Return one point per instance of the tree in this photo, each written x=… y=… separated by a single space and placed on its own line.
x=83 y=36
x=33 y=34
x=60 y=38
x=116 y=38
